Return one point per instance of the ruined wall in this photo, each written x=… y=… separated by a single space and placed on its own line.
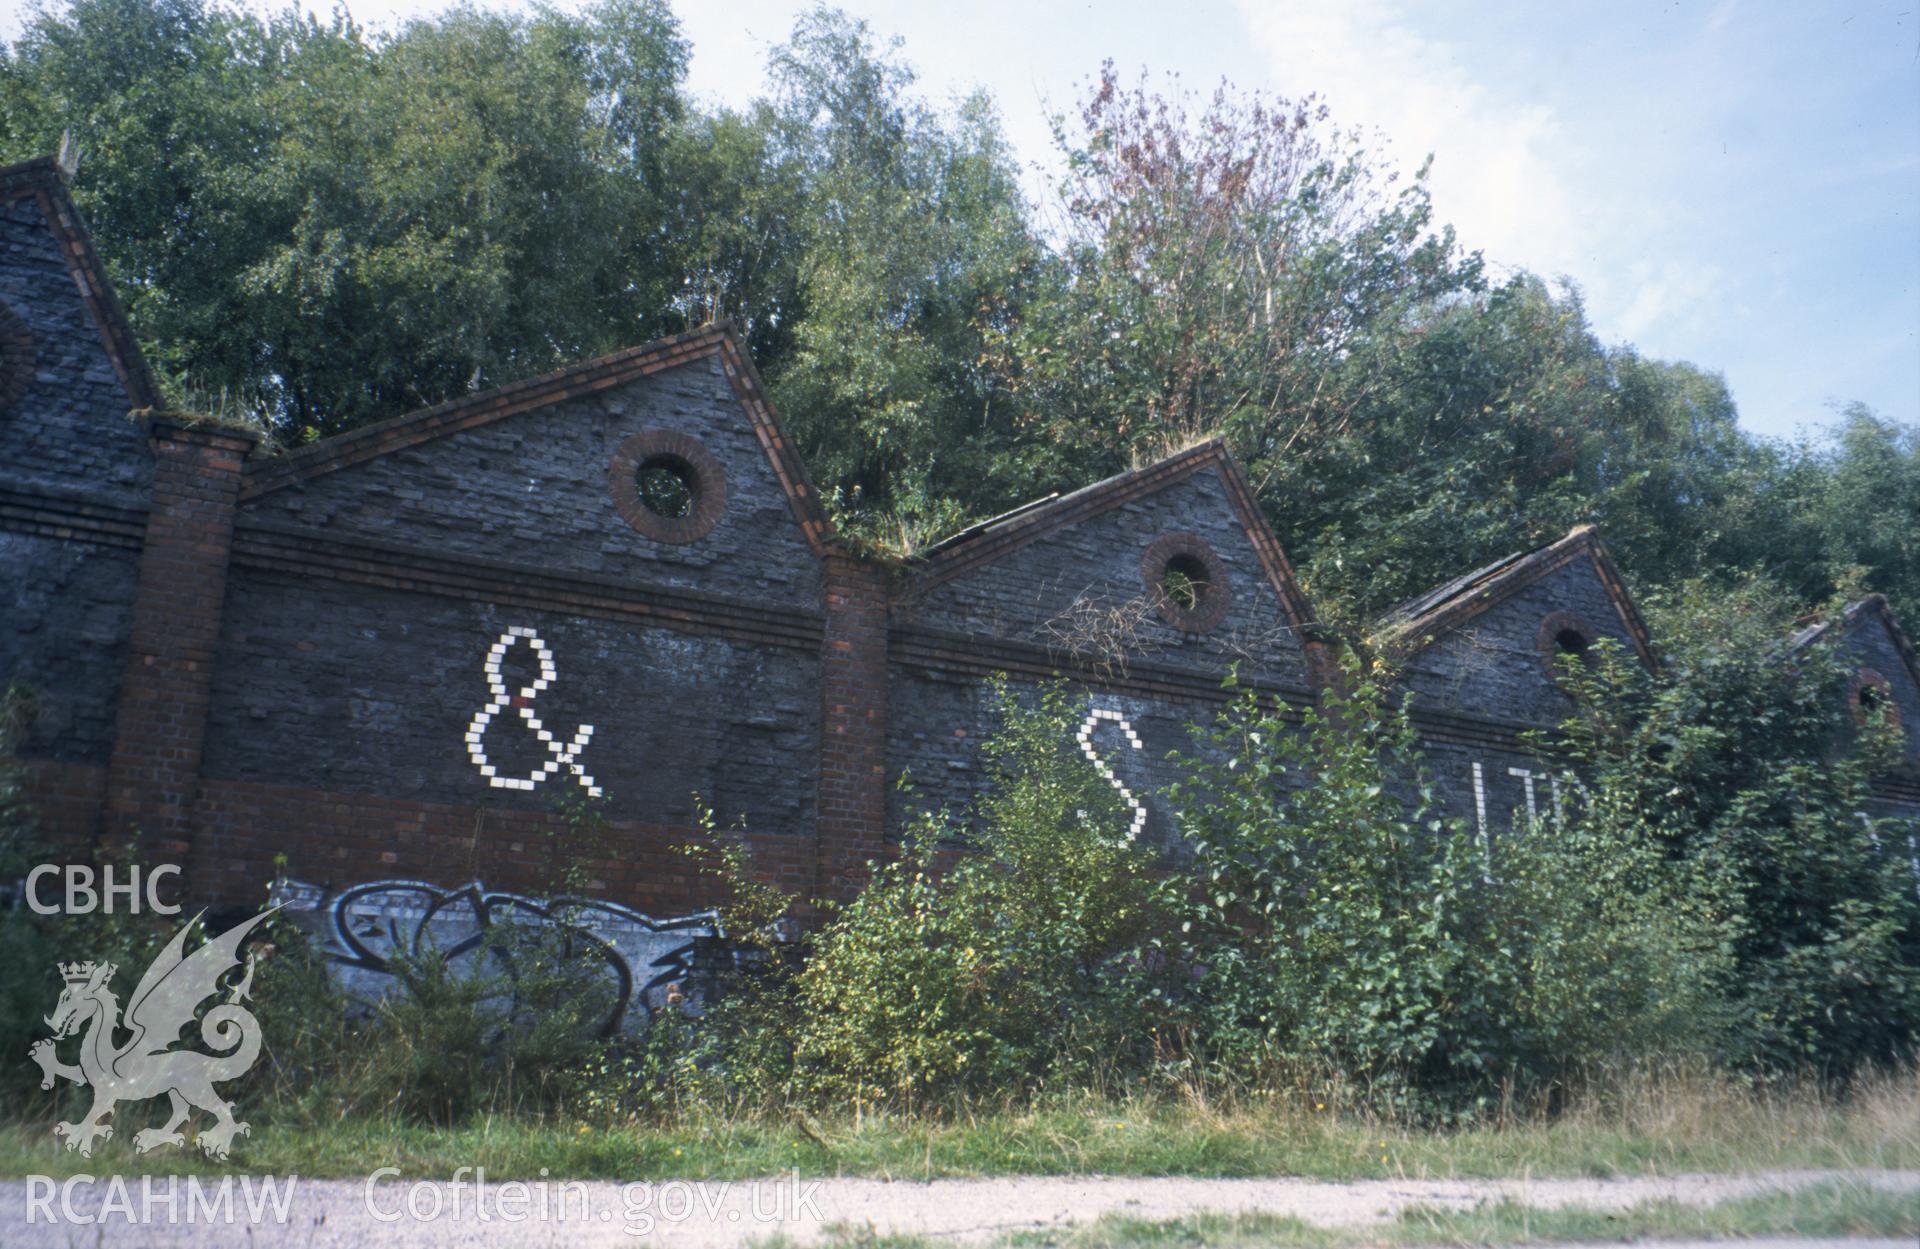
x=1484 y=681
x=1493 y=667
x=459 y=627
x=1062 y=588
x=380 y=607
x=399 y=654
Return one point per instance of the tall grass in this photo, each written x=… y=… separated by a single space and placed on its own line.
x=1649 y=1120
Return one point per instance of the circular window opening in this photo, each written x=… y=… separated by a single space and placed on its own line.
x=1564 y=638
x=667 y=486
x=1873 y=699
x=1572 y=643
x=1186 y=582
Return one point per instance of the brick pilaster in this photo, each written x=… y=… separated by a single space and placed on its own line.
x=154 y=773
x=1322 y=658
x=853 y=726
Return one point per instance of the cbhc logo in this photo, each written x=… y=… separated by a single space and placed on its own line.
x=82 y=896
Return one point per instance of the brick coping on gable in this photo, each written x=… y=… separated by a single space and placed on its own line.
x=482 y=408
x=1413 y=626
x=1004 y=534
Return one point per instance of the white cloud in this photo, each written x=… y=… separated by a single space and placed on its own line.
x=1495 y=176
x=1665 y=295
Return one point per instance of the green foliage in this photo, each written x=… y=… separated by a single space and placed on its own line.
x=1343 y=936
x=323 y=226
x=1332 y=922
x=1497 y=421
x=1836 y=515
x=514 y=1034
x=909 y=228
x=336 y=228
x=1007 y=964
x=1618 y=952
x=1741 y=765
x=738 y=1049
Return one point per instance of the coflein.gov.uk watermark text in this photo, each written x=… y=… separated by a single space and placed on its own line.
x=468 y=1197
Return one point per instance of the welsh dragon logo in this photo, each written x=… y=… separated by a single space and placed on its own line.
x=145 y=1065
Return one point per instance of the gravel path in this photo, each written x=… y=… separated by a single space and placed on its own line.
x=340 y=1214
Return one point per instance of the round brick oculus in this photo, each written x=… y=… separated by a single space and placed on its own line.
x=1186 y=582
x=667 y=486
x=1872 y=694
x=16 y=356
x=1564 y=635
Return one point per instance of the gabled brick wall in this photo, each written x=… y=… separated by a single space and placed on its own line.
x=406 y=651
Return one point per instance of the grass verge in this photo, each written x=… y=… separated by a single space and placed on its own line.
x=1827 y=1210
x=1659 y=1129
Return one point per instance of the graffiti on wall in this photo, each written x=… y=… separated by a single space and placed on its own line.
x=634 y=963
x=560 y=756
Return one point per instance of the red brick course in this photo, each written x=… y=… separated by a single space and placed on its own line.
x=853 y=726
x=155 y=769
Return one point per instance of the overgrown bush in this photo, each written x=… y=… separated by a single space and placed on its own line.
x=1617 y=951
x=1339 y=932
x=1741 y=764
x=1332 y=922
x=1011 y=963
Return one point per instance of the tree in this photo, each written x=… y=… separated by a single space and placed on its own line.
x=1213 y=275
x=1496 y=421
x=335 y=228
x=1851 y=505
x=910 y=235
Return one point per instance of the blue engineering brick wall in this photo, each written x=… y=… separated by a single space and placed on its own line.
x=392 y=653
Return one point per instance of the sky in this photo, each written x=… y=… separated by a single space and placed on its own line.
x=1734 y=183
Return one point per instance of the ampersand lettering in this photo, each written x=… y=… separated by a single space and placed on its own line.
x=567 y=756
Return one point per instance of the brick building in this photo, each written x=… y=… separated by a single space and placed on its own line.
x=395 y=652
